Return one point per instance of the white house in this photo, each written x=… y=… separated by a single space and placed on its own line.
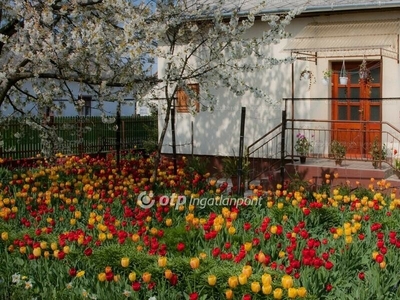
x=326 y=36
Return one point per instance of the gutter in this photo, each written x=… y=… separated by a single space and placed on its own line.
x=347 y=7
x=329 y=8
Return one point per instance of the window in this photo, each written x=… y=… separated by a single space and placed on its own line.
x=184 y=102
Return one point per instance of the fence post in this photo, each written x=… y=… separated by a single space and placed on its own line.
x=241 y=146
x=118 y=134
x=283 y=146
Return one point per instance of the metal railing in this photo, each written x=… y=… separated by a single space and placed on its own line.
x=274 y=149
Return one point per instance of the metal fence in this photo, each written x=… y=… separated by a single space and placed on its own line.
x=77 y=135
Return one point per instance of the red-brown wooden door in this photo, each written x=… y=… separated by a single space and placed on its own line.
x=356 y=108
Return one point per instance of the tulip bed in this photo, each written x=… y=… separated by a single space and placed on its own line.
x=76 y=229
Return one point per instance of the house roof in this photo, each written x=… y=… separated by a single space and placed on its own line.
x=276 y=6
x=368 y=38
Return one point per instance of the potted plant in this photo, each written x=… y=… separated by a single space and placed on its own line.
x=343 y=75
x=338 y=151
x=397 y=167
x=378 y=153
x=307 y=75
x=364 y=73
x=302 y=147
x=327 y=74
x=230 y=166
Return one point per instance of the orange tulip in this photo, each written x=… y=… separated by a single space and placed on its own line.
x=146 y=277
x=168 y=274
x=229 y=294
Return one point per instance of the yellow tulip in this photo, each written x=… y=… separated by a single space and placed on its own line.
x=80 y=273
x=43 y=245
x=132 y=276
x=233 y=282
x=102 y=277
x=266 y=279
x=102 y=237
x=37 y=252
x=242 y=279
x=255 y=287
x=194 y=262
x=212 y=280
x=292 y=293
x=231 y=230
x=54 y=246
x=248 y=246
x=302 y=292
x=125 y=262
x=168 y=222
x=4 y=236
x=287 y=281
x=247 y=270
x=162 y=261
x=266 y=289
x=278 y=293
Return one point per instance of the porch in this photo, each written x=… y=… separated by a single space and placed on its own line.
x=273 y=158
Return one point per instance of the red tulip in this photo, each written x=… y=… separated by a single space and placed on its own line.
x=194 y=296
x=180 y=247
x=136 y=286
x=72 y=272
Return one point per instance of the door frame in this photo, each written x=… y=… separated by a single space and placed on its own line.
x=352 y=104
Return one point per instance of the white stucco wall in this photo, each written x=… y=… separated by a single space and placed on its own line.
x=217 y=133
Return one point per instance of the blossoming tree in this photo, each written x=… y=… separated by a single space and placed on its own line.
x=47 y=44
